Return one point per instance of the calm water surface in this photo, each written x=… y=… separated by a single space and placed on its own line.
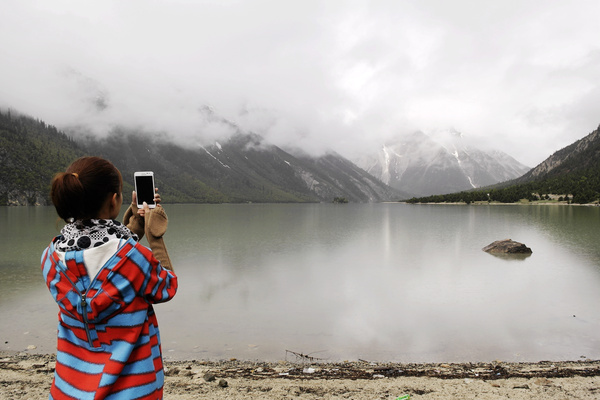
x=380 y=282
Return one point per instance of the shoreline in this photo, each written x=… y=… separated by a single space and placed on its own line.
x=28 y=376
x=497 y=203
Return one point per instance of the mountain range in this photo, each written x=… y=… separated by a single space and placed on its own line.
x=242 y=169
x=245 y=168
x=424 y=165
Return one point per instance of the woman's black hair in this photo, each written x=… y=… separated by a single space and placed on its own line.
x=82 y=189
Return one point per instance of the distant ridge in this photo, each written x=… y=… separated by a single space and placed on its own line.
x=582 y=155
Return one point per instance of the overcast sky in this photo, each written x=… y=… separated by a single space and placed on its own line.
x=521 y=76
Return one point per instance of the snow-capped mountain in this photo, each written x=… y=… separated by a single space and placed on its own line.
x=423 y=164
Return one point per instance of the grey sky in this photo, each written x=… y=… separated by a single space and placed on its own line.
x=521 y=76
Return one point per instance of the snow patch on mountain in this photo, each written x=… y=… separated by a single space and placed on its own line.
x=220 y=162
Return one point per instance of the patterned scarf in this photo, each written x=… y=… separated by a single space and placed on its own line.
x=85 y=234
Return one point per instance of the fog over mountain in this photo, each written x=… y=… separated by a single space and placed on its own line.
x=440 y=163
x=520 y=75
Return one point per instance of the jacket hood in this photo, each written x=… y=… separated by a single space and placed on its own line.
x=85 y=299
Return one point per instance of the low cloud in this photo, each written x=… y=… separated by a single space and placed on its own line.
x=520 y=76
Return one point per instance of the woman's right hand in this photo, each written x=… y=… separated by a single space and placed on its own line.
x=142 y=211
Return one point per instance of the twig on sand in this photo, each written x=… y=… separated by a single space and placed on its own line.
x=304 y=357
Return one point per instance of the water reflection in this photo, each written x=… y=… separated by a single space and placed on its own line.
x=373 y=281
x=511 y=256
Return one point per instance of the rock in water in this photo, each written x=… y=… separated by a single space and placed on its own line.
x=507 y=246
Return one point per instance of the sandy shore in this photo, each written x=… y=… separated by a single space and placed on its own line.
x=28 y=376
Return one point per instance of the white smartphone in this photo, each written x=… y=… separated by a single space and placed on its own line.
x=144 y=188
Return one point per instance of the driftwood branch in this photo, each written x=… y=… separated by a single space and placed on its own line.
x=304 y=357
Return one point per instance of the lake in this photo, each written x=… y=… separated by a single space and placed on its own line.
x=376 y=282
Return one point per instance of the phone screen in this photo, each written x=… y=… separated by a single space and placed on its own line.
x=144 y=189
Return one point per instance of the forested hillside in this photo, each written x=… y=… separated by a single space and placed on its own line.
x=31 y=152
x=572 y=174
x=241 y=169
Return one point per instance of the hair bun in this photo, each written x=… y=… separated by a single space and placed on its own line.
x=83 y=199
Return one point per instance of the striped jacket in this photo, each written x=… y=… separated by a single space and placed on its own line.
x=108 y=340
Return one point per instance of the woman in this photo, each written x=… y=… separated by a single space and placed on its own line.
x=105 y=283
